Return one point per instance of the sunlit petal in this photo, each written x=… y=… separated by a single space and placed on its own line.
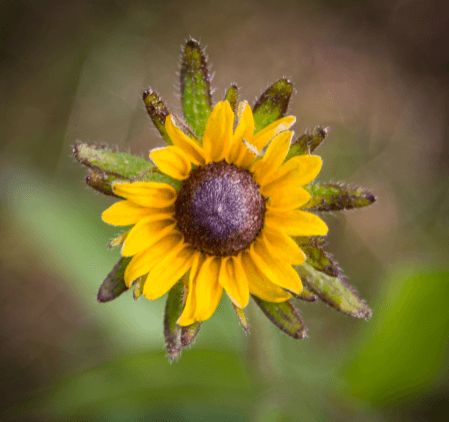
x=218 y=134
x=192 y=150
x=296 y=223
x=259 y=285
x=264 y=136
x=172 y=161
x=288 y=199
x=233 y=279
x=298 y=171
x=163 y=276
x=147 y=232
x=147 y=194
x=144 y=261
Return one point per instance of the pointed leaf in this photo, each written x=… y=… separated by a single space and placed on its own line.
x=195 y=88
x=189 y=333
x=102 y=182
x=322 y=260
x=241 y=316
x=173 y=310
x=157 y=111
x=337 y=196
x=285 y=316
x=273 y=104
x=232 y=96
x=138 y=287
x=308 y=142
x=154 y=175
x=102 y=159
x=114 y=284
x=334 y=291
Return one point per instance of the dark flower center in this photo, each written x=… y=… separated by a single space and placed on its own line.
x=219 y=209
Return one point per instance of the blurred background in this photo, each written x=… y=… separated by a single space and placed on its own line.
x=375 y=72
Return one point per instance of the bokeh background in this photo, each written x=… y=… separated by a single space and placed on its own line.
x=376 y=72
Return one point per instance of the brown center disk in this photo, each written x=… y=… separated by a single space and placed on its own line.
x=219 y=209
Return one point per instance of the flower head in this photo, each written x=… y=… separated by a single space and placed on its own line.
x=228 y=206
x=229 y=225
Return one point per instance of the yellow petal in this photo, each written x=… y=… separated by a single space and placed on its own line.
x=273 y=158
x=172 y=161
x=259 y=285
x=147 y=232
x=239 y=153
x=283 y=246
x=298 y=171
x=233 y=279
x=208 y=289
x=264 y=136
x=296 y=223
x=288 y=199
x=190 y=148
x=277 y=271
x=147 y=194
x=168 y=271
x=126 y=213
x=188 y=314
x=218 y=133
x=144 y=261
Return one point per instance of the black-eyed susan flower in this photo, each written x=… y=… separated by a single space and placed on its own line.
x=230 y=223
x=226 y=206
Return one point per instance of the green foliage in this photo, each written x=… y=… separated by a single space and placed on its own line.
x=173 y=310
x=402 y=352
x=272 y=104
x=285 y=316
x=308 y=142
x=321 y=260
x=232 y=96
x=335 y=291
x=337 y=196
x=195 y=88
x=102 y=159
x=157 y=111
x=114 y=284
x=102 y=182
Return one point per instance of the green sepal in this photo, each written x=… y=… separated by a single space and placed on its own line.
x=155 y=175
x=337 y=196
x=195 y=88
x=114 y=284
x=285 y=316
x=310 y=240
x=321 y=260
x=272 y=104
x=231 y=97
x=173 y=310
x=241 y=316
x=102 y=182
x=305 y=295
x=101 y=159
x=138 y=287
x=157 y=111
x=189 y=333
x=308 y=142
x=335 y=291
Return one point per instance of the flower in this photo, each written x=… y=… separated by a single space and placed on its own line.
x=213 y=211
x=229 y=225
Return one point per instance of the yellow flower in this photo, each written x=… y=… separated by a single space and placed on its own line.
x=229 y=225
